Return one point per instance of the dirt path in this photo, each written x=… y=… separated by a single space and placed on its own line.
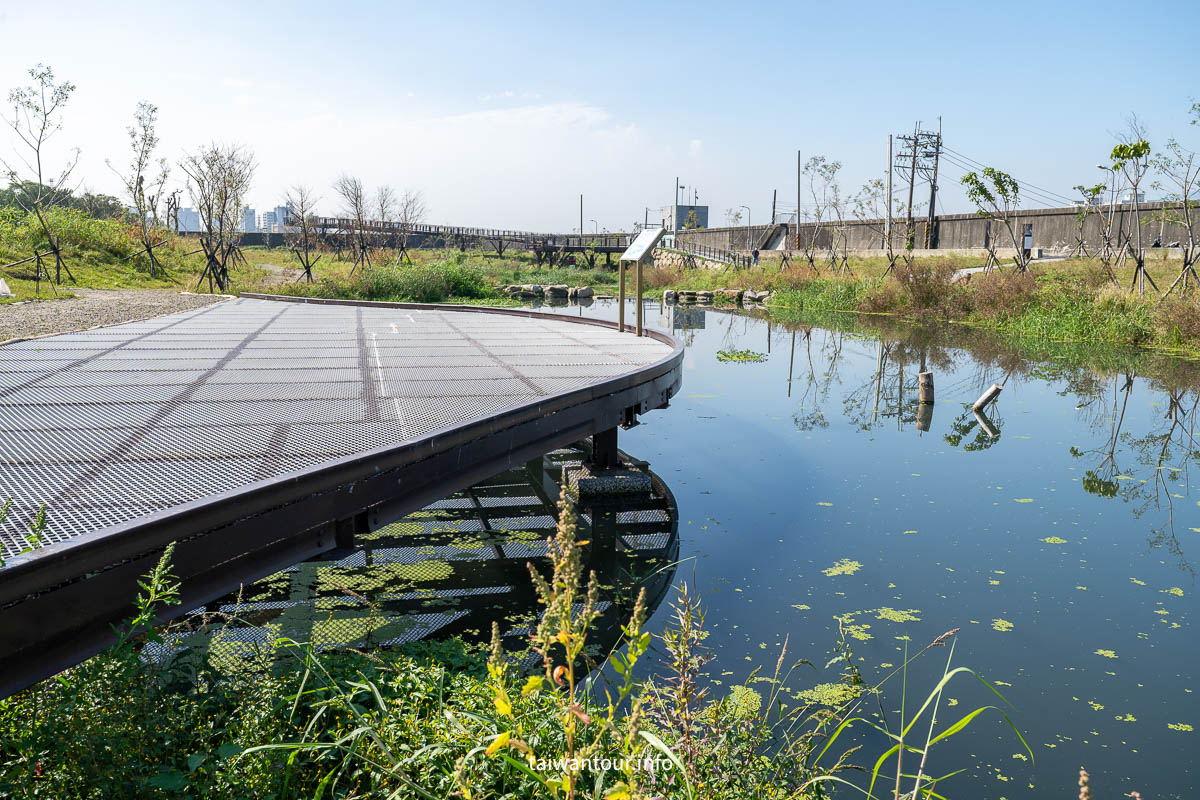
x=92 y=308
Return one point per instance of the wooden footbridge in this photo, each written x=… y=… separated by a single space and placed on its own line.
x=257 y=433
x=547 y=248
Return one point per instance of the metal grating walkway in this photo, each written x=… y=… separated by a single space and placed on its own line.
x=109 y=425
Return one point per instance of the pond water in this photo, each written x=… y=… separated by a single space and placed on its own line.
x=1064 y=547
x=807 y=496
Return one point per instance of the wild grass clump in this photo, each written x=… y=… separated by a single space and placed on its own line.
x=1178 y=321
x=99 y=253
x=824 y=294
x=1002 y=293
x=424 y=282
x=928 y=284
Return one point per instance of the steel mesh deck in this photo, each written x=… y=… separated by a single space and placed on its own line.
x=108 y=425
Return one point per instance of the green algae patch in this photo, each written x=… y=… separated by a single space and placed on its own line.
x=1002 y=625
x=1180 y=726
x=1054 y=540
x=1107 y=653
x=893 y=615
x=843 y=567
x=829 y=694
x=741 y=356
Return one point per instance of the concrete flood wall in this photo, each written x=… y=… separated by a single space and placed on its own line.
x=1054 y=231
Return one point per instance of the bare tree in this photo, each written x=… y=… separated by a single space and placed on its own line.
x=385 y=209
x=996 y=196
x=37 y=116
x=300 y=230
x=220 y=177
x=870 y=209
x=839 y=245
x=1131 y=158
x=142 y=187
x=412 y=213
x=821 y=176
x=1179 y=167
x=355 y=207
x=1091 y=208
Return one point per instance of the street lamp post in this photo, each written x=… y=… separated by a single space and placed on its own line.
x=747 y=226
x=595 y=226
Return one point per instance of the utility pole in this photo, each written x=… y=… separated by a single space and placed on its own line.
x=912 y=177
x=798 y=172
x=933 y=187
x=887 y=226
x=774 y=192
x=675 y=206
x=581 y=215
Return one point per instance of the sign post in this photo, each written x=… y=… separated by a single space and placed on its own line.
x=638 y=253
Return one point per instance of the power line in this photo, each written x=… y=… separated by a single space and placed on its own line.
x=1029 y=190
x=1022 y=183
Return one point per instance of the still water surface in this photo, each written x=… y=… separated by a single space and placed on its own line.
x=809 y=493
x=1065 y=547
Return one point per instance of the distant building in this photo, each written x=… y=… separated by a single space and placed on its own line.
x=249 y=223
x=283 y=215
x=189 y=220
x=267 y=222
x=676 y=218
x=1127 y=197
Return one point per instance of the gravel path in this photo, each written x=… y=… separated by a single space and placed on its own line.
x=91 y=308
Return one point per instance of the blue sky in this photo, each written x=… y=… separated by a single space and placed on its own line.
x=503 y=113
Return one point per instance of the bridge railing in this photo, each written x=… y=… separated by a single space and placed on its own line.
x=737 y=260
x=342 y=225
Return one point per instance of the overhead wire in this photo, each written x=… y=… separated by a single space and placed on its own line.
x=1039 y=189
x=1050 y=200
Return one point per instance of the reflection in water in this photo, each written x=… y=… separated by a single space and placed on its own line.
x=1058 y=530
x=459 y=565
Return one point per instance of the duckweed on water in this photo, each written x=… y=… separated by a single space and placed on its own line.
x=892 y=615
x=744 y=356
x=1002 y=625
x=1107 y=653
x=843 y=567
x=1180 y=726
x=1054 y=540
x=830 y=694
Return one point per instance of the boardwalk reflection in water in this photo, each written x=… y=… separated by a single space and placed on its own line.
x=454 y=568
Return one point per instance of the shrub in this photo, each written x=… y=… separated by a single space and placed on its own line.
x=927 y=283
x=1002 y=292
x=884 y=298
x=1178 y=321
x=430 y=282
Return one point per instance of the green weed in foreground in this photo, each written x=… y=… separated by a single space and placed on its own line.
x=438 y=720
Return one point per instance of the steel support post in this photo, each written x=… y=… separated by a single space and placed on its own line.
x=621 y=298
x=637 y=295
x=604 y=449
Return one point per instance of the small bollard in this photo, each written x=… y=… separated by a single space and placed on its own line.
x=987 y=397
x=925 y=387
